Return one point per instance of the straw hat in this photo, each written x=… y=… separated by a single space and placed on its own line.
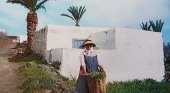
x=88 y=41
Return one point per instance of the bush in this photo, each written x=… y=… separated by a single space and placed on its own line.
x=96 y=75
x=70 y=84
x=138 y=86
x=28 y=58
x=36 y=78
x=167 y=62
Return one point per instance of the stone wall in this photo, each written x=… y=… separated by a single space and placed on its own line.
x=40 y=44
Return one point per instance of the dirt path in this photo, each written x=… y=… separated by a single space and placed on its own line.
x=8 y=78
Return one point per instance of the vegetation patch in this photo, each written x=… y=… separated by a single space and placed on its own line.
x=96 y=82
x=65 y=85
x=36 y=78
x=167 y=62
x=96 y=75
x=138 y=86
x=27 y=58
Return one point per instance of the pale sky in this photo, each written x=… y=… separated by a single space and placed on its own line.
x=100 y=13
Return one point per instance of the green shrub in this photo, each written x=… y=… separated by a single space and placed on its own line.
x=56 y=65
x=36 y=78
x=61 y=77
x=138 y=86
x=96 y=75
x=71 y=83
x=27 y=58
x=167 y=67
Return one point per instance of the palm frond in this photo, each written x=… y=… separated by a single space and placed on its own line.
x=149 y=28
x=153 y=25
x=41 y=5
x=32 y=5
x=160 y=24
x=68 y=16
x=76 y=13
x=157 y=26
x=21 y=2
x=145 y=26
x=82 y=11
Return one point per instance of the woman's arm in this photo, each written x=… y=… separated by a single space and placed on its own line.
x=83 y=68
x=82 y=65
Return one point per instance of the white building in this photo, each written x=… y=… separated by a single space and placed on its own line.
x=22 y=38
x=126 y=54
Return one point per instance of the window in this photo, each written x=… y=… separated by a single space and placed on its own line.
x=77 y=43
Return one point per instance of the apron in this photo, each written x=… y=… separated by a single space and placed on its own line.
x=91 y=65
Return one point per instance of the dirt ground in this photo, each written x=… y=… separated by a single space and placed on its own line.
x=8 y=78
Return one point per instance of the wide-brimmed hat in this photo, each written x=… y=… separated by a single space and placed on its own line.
x=87 y=42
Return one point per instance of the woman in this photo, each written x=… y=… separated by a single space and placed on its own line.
x=88 y=63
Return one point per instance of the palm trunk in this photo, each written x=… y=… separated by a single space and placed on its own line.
x=32 y=21
x=77 y=23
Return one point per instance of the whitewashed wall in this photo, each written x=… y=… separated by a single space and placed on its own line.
x=22 y=38
x=138 y=55
x=54 y=55
x=57 y=36
x=104 y=39
x=61 y=36
x=129 y=54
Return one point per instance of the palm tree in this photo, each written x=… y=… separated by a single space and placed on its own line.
x=76 y=13
x=32 y=19
x=145 y=26
x=156 y=27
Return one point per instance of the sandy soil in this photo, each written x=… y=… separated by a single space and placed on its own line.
x=8 y=78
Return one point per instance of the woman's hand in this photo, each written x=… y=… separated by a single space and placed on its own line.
x=83 y=68
x=86 y=74
x=101 y=68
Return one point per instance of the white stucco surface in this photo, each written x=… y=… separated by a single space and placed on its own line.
x=104 y=39
x=54 y=55
x=62 y=36
x=22 y=38
x=57 y=36
x=126 y=54
x=118 y=66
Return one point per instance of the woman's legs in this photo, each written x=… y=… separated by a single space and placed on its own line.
x=82 y=86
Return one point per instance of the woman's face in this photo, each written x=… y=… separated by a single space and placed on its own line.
x=88 y=46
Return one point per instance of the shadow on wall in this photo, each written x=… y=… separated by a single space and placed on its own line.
x=104 y=40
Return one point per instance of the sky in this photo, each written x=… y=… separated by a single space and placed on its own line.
x=100 y=13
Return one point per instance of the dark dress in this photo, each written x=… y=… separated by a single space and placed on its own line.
x=91 y=65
